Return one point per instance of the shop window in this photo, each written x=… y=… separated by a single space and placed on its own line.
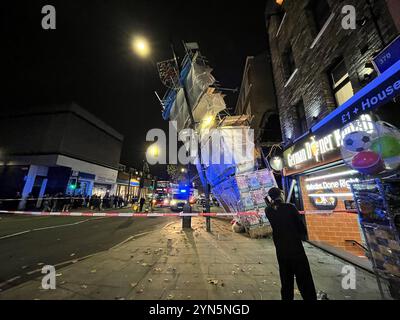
x=301 y=120
x=288 y=62
x=341 y=84
x=320 y=11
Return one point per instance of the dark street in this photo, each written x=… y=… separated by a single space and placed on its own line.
x=59 y=241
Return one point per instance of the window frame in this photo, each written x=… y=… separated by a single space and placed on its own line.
x=289 y=62
x=301 y=118
x=342 y=82
x=319 y=23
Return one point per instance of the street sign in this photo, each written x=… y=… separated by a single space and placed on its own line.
x=388 y=56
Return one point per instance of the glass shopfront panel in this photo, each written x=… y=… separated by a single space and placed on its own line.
x=330 y=213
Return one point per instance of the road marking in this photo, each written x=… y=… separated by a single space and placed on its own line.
x=13 y=218
x=14 y=234
x=48 y=228
x=9 y=281
x=129 y=239
x=91 y=255
x=85 y=257
x=65 y=262
x=66 y=225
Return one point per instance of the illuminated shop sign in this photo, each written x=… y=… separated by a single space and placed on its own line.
x=135 y=183
x=325 y=191
x=316 y=149
x=326 y=185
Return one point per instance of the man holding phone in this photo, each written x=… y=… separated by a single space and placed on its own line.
x=288 y=231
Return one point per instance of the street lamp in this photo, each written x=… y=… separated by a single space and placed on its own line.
x=207 y=121
x=154 y=151
x=141 y=46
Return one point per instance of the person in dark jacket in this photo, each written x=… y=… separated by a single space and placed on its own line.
x=288 y=231
x=141 y=204
x=15 y=204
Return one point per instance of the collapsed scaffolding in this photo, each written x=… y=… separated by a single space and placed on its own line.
x=225 y=157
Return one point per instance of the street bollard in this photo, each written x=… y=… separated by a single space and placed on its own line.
x=187 y=221
x=208 y=224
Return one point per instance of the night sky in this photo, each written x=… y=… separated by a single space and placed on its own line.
x=88 y=58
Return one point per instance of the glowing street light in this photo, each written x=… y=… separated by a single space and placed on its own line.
x=141 y=46
x=154 y=151
x=207 y=121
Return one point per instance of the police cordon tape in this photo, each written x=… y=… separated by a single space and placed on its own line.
x=127 y=214
x=143 y=215
x=45 y=198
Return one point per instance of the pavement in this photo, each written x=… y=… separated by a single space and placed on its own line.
x=170 y=264
x=27 y=243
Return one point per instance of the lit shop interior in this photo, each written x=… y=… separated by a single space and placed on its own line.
x=344 y=175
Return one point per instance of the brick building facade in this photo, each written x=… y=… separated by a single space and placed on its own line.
x=320 y=67
x=257 y=100
x=314 y=54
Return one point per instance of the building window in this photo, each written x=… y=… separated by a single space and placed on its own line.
x=301 y=120
x=281 y=15
x=341 y=84
x=288 y=62
x=320 y=11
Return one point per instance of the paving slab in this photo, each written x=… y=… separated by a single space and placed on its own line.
x=171 y=264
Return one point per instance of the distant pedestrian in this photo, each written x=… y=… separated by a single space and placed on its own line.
x=141 y=204
x=288 y=233
x=46 y=205
x=87 y=201
x=120 y=202
x=67 y=202
x=57 y=202
x=15 y=203
x=97 y=203
x=30 y=203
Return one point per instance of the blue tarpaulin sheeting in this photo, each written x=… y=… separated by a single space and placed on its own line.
x=171 y=94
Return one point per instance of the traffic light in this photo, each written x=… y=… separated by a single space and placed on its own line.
x=73 y=184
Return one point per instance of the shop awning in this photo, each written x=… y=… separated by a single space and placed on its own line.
x=377 y=93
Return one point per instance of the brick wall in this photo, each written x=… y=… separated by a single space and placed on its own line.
x=311 y=83
x=333 y=229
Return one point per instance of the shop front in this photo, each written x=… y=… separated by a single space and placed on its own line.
x=127 y=191
x=319 y=173
x=319 y=184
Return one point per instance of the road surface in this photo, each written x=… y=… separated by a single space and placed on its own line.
x=28 y=243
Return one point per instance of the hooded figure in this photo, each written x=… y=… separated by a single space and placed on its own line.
x=288 y=231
